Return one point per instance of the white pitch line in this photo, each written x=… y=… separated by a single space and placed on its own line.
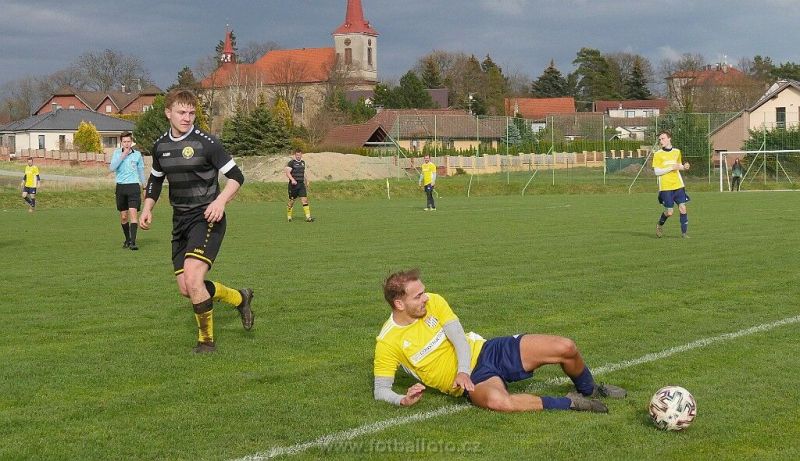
x=451 y=409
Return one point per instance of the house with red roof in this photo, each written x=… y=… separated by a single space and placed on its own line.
x=122 y=101
x=417 y=129
x=713 y=88
x=301 y=77
x=537 y=109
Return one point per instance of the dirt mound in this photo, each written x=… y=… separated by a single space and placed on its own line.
x=330 y=166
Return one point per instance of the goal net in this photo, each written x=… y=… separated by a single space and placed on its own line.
x=759 y=170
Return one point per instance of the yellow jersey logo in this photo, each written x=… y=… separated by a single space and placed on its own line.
x=188 y=152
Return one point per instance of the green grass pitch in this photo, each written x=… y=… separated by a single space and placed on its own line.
x=96 y=360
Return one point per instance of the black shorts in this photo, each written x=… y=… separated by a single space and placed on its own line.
x=129 y=196
x=194 y=237
x=298 y=190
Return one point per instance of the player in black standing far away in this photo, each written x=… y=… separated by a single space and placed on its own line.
x=191 y=161
x=296 y=173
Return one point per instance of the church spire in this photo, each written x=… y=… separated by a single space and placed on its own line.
x=354 y=21
x=228 y=54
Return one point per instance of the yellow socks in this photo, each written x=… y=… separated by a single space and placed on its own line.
x=226 y=295
x=204 y=314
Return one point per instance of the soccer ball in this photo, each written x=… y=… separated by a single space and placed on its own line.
x=672 y=408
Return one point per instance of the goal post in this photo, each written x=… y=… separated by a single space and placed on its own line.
x=761 y=169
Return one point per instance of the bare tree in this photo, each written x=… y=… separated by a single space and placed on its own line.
x=253 y=51
x=111 y=69
x=678 y=75
x=626 y=63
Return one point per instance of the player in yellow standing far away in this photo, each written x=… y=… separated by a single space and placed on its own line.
x=30 y=182
x=427 y=179
x=667 y=165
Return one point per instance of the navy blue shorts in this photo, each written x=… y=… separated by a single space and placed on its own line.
x=500 y=357
x=669 y=198
x=29 y=190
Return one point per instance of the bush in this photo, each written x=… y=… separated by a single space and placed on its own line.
x=87 y=139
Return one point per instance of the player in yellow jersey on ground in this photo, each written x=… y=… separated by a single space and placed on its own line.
x=424 y=336
x=667 y=165
x=30 y=182
x=427 y=179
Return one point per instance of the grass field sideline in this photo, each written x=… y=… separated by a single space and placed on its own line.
x=96 y=361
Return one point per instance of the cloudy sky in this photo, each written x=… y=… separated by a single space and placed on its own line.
x=39 y=37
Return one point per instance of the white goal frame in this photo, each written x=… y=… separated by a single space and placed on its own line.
x=757 y=164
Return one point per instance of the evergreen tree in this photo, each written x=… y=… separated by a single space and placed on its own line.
x=150 y=126
x=385 y=97
x=636 y=82
x=431 y=74
x=787 y=70
x=551 y=84
x=87 y=139
x=512 y=137
x=186 y=80
x=411 y=93
x=496 y=87
x=596 y=78
x=256 y=133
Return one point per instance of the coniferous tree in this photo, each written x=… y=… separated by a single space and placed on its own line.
x=431 y=74
x=596 y=78
x=256 y=133
x=496 y=86
x=636 y=82
x=186 y=80
x=411 y=93
x=551 y=84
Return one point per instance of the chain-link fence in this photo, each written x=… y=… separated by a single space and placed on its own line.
x=583 y=147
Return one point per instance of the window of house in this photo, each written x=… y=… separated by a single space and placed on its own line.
x=780 y=117
x=109 y=141
x=348 y=56
x=299 y=102
x=369 y=57
x=41 y=141
x=62 y=142
x=146 y=107
x=648 y=113
x=108 y=108
x=71 y=106
x=630 y=113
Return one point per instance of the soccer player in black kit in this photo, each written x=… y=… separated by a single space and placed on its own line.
x=191 y=161
x=296 y=173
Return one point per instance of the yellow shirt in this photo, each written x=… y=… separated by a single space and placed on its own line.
x=31 y=172
x=665 y=159
x=428 y=169
x=422 y=348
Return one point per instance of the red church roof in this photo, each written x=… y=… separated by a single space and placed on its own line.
x=354 y=21
x=306 y=65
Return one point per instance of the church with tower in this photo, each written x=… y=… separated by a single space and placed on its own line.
x=301 y=77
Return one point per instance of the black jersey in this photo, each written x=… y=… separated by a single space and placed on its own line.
x=192 y=164
x=298 y=170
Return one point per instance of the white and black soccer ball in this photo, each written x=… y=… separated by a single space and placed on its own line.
x=672 y=408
